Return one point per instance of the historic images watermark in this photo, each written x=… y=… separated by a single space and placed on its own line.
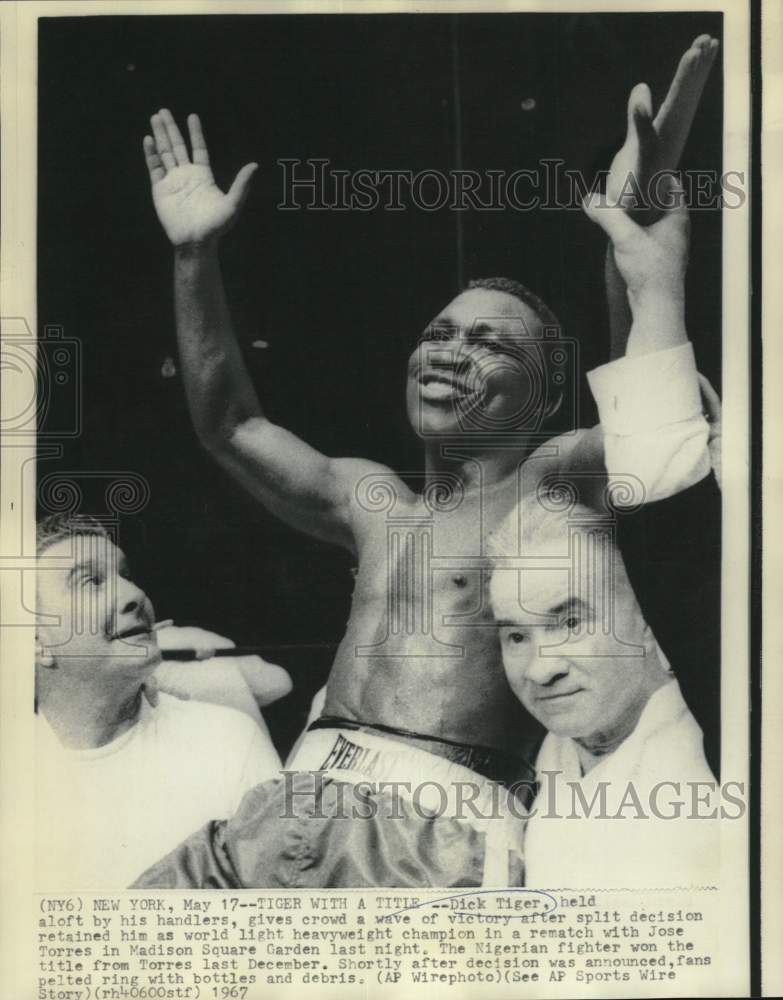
x=46 y=409
x=47 y=379
x=352 y=796
x=315 y=184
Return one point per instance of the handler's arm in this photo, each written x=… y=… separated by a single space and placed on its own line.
x=648 y=400
x=652 y=425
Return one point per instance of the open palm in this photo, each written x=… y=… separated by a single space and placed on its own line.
x=190 y=206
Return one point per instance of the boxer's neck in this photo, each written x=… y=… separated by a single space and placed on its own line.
x=475 y=467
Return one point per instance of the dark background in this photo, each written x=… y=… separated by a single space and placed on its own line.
x=340 y=296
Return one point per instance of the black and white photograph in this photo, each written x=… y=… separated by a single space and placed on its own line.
x=378 y=530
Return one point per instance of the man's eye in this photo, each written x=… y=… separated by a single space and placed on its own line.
x=572 y=623
x=517 y=637
x=490 y=344
x=436 y=333
x=92 y=580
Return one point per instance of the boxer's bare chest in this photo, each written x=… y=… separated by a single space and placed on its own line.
x=435 y=543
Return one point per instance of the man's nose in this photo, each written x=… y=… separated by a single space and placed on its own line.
x=444 y=352
x=543 y=669
x=130 y=597
x=452 y=353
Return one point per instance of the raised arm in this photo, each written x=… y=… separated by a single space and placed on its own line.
x=652 y=145
x=652 y=424
x=652 y=262
x=651 y=417
x=304 y=488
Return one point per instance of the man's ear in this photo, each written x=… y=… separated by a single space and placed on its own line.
x=43 y=657
x=553 y=407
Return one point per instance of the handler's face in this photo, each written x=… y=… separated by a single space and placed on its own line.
x=96 y=621
x=575 y=655
x=475 y=369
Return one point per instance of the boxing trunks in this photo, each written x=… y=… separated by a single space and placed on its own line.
x=358 y=808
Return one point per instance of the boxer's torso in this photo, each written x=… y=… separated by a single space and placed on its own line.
x=421 y=650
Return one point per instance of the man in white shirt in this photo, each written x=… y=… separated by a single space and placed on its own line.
x=119 y=781
x=622 y=772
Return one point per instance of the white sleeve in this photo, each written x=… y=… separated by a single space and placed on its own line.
x=653 y=426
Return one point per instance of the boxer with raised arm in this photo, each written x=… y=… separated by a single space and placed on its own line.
x=417 y=687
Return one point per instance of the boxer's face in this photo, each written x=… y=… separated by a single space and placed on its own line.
x=578 y=658
x=96 y=621
x=471 y=371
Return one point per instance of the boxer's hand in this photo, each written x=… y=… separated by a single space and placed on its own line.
x=651 y=260
x=268 y=682
x=173 y=677
x=654 y=146
x=151 y=691
x=191 y=207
